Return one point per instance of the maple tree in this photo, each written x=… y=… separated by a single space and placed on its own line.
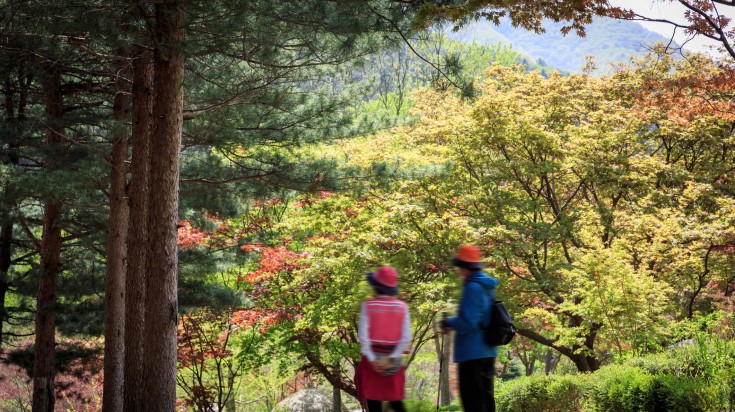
x=216 y=342
x=209 y=373
x=584 y=193
x=587 y=191
x=306 y=288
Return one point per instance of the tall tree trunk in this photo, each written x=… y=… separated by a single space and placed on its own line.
x=15 y=119
x=161 y=303
x=6 y=238
x=45 y=351
x=112 y=400
x=137 y=231
x=6 y=225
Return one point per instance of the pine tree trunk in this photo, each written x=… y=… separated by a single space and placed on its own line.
x=15 y=118
x=137 y=231
x=161 y=304
x=6 y=231
x=6 y=238
x=112 y=400
x=45 y=351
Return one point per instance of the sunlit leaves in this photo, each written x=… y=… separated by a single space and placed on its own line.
x=577 y=186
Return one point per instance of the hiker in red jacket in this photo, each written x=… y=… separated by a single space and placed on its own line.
x=384 y=334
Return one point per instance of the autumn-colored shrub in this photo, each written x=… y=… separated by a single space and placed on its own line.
x=77 y=384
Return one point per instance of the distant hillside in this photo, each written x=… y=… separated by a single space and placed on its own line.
x=608 y=40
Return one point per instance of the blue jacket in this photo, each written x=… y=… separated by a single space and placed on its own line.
x=474 y=312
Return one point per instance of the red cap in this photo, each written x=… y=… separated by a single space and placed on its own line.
x=385 y=280
x=387 y=276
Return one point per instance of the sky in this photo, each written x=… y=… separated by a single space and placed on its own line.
x=674 y=11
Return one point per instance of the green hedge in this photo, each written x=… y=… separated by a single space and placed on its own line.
x=699 y=377
x=631 y=389
x=540 y=393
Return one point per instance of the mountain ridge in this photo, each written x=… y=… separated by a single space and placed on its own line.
x=608 y=40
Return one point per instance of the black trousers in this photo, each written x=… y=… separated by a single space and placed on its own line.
x=377 y=406
x=476 y=385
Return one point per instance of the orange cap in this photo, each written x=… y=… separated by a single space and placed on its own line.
x=468 y=257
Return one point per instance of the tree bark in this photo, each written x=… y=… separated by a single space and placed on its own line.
x=230 y=405
x=142 y=103
x=586 y=361
x=336 y=399
x=6 y=238
x=336 y=393
x=15 y=118
x=442 y=345
x=45 y=342
x=445 y=397
x=550 y=361
x=112 y=399
x=161 y=304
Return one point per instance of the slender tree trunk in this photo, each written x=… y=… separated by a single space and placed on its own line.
x=45 y=351
x=445 y=393
x=336 y=395
x=6 y=238
x=442 y=344
x=6 y=248
x=6 y=229
x=230 y=405
x=137 y=232
x=551 y=360
x=112 y=400
x=161 y=303
x=530 y=366
x=16 y=120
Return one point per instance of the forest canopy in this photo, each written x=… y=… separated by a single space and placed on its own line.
x=191 y=196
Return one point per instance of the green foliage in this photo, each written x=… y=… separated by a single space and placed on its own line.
x=419 y=405
x=696 y=377
x=427 y=406
x=540 y=393
x=704 y=359
x=260 y=388
x=514 y=371
x=434 y=60
x=563 y=184
x=631 y=389
x=556 y=177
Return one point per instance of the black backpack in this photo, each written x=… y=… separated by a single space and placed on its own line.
x=500 y=330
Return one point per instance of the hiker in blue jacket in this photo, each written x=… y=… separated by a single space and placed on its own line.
x=475 y=358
